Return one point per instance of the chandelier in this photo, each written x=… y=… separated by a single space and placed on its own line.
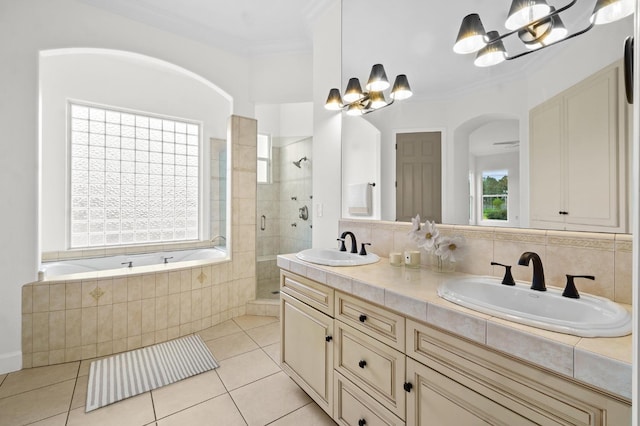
x=358 y=102
x=537 y=25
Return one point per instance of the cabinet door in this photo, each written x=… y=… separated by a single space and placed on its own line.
x=307 y=349
x=436 y=400
x=592 y=135
x=546 y=164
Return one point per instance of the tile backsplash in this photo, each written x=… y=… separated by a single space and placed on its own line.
x=606 y=256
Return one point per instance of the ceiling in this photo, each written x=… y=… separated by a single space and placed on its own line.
x=245 y=27
x=413 y=37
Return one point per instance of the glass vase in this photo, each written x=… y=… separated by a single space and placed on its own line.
x=439 y=264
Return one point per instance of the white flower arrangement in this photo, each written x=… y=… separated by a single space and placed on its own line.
x=427 y=237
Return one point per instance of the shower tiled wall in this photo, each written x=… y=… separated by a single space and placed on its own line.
x=606 y=256
x=72 y=320
x=280 y=203
x=295 y=193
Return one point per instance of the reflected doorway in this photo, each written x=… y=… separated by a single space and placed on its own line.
x=419 y=176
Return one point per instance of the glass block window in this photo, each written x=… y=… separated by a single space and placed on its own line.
x=134 y=178
x=264 y=159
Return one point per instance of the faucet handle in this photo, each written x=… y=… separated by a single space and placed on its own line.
x=342 y=246
x=508 y=278
x=570 y=289
x=363 y=251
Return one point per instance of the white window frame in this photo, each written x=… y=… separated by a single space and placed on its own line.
x=482 y=196
x=268 y=160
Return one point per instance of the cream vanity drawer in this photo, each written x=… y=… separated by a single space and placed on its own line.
x=310 y=292
x=386 y=326
x=374 y=366
x=353 y=407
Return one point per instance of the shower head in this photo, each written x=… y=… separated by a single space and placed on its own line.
x=297 y=163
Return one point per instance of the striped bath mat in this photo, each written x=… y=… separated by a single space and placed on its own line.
x=132 y=373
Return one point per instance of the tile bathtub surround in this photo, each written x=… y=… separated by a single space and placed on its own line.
x=247 y=349
x=72 y=320
x=606 y=256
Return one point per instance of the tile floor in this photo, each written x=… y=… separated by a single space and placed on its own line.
x=248 y=388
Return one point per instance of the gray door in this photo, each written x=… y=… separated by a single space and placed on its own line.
x=418 y=176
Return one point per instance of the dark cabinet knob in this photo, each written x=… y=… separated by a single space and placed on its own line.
x=407 y=387
x=362 y=318
x=362 y=422
x=328 y=338
x=362 y=364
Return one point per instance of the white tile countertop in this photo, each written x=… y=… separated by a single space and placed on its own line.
x=601 y=362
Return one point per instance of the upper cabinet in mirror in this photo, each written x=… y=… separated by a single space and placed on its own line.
x=466 y=104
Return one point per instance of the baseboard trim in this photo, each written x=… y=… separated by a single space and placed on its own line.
x=10 y=362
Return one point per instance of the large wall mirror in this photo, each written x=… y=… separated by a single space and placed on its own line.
x=481 y=114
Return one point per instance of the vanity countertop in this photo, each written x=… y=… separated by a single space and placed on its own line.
x=602 y=362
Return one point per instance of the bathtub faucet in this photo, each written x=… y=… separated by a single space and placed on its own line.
x=166 y=259
x=218 y=237
x=129 y=263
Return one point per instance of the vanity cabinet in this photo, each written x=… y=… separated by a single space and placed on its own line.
x=306 y=346
x=367 y=365
x=577 y=147
x=456 y=381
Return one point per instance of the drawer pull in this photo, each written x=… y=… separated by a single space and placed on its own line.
x=362 y=318
x=407 y=387
x=328 y=338
x=362 y=422
x=362 y=364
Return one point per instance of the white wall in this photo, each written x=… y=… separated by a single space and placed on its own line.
x=327 y=128
x=285 y=121
x=282 y=78
x=123 y=82
x=27 y=27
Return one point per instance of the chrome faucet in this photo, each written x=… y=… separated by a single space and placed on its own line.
x=354 y=245
x=537 y=283
x=218 y=237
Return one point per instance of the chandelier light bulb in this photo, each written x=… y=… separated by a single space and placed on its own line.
x=523 y=12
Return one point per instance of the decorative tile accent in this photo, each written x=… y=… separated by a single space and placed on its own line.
x=471 y=232
x=589 y=243
x=521 y=236
x=97 y=293
x=624 y=243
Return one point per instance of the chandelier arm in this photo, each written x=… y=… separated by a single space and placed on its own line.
x=508 y=58
x=362 y=101
x=536 y=22
x=368 y=110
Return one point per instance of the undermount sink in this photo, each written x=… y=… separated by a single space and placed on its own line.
x=335 y=257
x=588 y=316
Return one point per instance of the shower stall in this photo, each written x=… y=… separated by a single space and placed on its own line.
x=284 y=210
